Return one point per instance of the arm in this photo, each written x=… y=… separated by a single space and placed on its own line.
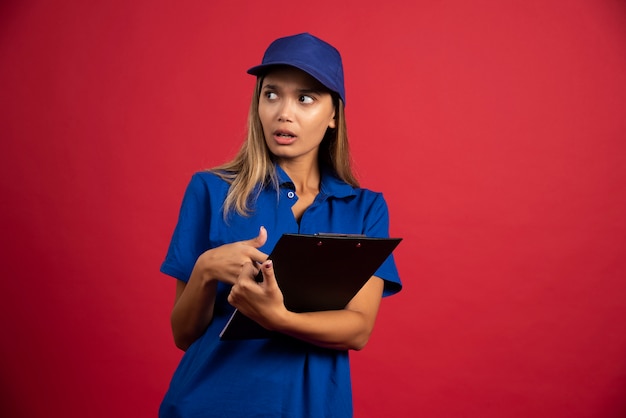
x=193 y=306
x=344 y=329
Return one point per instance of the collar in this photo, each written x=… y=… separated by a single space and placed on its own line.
x=330 y=184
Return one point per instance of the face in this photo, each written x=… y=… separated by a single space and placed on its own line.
x=295 y=111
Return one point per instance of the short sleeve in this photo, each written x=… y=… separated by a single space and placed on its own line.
x=191 y=235
x=377 y=225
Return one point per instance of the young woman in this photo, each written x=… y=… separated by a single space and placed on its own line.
x=292 y=175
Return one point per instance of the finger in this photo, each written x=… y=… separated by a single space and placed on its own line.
x=258 y=256
x=267 y=269
x=248 y=272
x=259 y=240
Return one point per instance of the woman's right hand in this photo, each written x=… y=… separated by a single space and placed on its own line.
x=193 y=307
x=224 y=263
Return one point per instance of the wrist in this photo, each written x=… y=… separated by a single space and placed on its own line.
x=203 y=273
x=282 y=321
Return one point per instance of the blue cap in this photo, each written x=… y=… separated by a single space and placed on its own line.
x=310 y=54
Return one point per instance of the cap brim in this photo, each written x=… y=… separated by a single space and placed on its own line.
x=262 y=69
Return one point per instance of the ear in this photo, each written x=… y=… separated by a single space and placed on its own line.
x=333 y=122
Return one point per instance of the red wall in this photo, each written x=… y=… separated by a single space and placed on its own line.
x=495 y=129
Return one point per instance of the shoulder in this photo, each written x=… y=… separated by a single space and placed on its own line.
x=335 y=187
x=372 y=208
x=357 y=199
x=208 y=179
x=207 y=183
x=205 y=189
x=368 y=193
x=370 y=198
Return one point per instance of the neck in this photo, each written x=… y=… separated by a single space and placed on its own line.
x=305 y=176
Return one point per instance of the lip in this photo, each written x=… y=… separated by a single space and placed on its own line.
x=284 y=136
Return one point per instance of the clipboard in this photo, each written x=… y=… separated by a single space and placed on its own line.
x=316 y=273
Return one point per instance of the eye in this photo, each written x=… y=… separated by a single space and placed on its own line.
x=270 y=95
x=306 y=99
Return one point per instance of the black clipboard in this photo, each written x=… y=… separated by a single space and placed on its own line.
x=317 y=273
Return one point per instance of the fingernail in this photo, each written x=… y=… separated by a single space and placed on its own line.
x=268 y=264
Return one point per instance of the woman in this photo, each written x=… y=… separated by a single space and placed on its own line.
x=292 y=175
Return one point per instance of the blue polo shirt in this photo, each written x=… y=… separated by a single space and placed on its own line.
x=276 y=377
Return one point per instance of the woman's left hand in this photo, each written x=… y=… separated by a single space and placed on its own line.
x=261 y=301
x=342 y=329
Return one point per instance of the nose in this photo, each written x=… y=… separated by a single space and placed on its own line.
x=285 y=111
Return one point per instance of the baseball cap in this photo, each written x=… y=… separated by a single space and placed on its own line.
x=310 y=54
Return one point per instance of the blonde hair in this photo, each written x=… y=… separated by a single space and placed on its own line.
x=252 y=168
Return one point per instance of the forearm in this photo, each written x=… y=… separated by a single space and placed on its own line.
x=193 y=310
x=340 y=330
x=195 y=300
x=345 y=329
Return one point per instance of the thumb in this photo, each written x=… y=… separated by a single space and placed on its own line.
x=267 y=269
x=260 y=239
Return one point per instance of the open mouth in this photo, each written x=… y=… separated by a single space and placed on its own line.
x=284 y=137
x=284 y=134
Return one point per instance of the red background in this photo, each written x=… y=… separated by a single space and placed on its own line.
x=495 y=129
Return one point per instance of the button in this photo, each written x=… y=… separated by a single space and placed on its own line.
x=290 y=195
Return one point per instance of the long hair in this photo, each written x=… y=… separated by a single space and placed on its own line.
x=252 y=168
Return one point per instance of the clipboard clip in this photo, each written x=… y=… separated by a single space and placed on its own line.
x=334 y=234
x=338 y=235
